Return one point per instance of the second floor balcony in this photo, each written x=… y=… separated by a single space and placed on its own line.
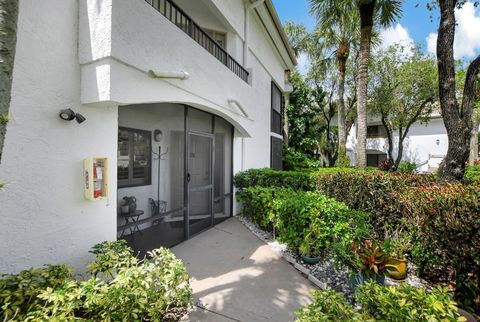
x=205 y=39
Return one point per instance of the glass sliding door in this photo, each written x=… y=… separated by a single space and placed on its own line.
x=200 y=181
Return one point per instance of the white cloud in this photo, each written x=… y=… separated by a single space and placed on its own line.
x=396 y=35
x=467 y=33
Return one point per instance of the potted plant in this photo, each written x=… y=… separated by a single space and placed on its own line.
x=397 y=248
x=371 y=263
x=309 y=250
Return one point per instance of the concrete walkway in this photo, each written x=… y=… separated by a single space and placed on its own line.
x=239 y=278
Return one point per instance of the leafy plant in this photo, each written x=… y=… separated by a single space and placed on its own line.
x=109 y=257
x=371 y=259
x=153 y=289
x=382 y=303
x=329 y=305
x=406 y=303
x=4 y=118
x=407 y=167
x=19 y=292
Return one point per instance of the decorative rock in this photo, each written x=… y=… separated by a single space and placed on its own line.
x=317 y=282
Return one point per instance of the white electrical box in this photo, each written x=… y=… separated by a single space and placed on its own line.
x=95 y=178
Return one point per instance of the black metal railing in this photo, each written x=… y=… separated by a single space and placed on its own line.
x=177 y=16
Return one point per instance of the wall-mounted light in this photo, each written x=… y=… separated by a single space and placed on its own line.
x=438 y=142
x=68 y=115
x=157 y=135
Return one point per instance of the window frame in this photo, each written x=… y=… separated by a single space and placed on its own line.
x=132 y=182
x=273 y=111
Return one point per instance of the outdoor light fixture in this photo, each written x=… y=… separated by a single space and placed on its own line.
x=157 y=135
x=68 y=115
x=438 y=142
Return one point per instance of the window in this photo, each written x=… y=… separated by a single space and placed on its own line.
x=219 y=37
x=374 y=160
x=276 y=153
x=134 y=157
x=277 y=101
x=376 y=131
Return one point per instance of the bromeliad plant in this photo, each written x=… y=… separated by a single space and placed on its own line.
x=371 y=259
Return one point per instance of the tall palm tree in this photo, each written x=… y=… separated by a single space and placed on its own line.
x=339 y=23
x=8 y=41
x=383 y=13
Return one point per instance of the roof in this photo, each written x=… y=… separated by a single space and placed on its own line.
x=276 y=20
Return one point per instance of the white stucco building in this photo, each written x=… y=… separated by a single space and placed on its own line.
x=200 y=82
x=425 y=145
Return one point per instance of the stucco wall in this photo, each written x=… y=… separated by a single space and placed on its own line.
x=43 y=214
x=91 y=56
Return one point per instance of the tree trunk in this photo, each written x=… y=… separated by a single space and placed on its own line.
x=390 y=138
x=342 y=57
x=401 y=139
x=474 y=141
x=458 y=122
x=366 y=18
x=8 y=41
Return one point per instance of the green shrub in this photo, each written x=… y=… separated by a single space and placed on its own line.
x=446 y=238
x=297 y=180
x=472 y=173
x=270 y=178
x=382 y=303
x=297 y=161
x=19 y=292
x=153 y=289
x=406 y=303
x=304 y=219
x=407 y=167
x=373 y=192
x=328 y=305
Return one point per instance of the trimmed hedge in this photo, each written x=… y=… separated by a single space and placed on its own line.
x=297 y=180
x=472 y=172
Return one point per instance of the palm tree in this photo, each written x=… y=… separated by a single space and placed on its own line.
x=339 y=23
x=382 y=13
x=8 y=41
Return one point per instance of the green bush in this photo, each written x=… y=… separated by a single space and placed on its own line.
x=271 y=178
x=406 y=303
x=328 y=305
x=446 y=238
x=374 y=192
x=153 y=289
x=296 y=160
x=382 y=303
x=297 y=180
x=407 y=167
x=472 y=173
x=19 y=292
x=303 y=219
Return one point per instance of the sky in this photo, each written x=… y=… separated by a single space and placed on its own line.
x=415 y=26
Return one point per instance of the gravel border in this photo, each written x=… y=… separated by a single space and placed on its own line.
x=323 y=274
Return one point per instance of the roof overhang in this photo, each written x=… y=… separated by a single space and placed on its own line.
x=286 y=50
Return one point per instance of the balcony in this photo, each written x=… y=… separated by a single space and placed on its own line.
x=179 y=18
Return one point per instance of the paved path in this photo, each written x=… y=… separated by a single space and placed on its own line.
x=239 y=278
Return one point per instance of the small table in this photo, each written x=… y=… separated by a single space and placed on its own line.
x=132 y=218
